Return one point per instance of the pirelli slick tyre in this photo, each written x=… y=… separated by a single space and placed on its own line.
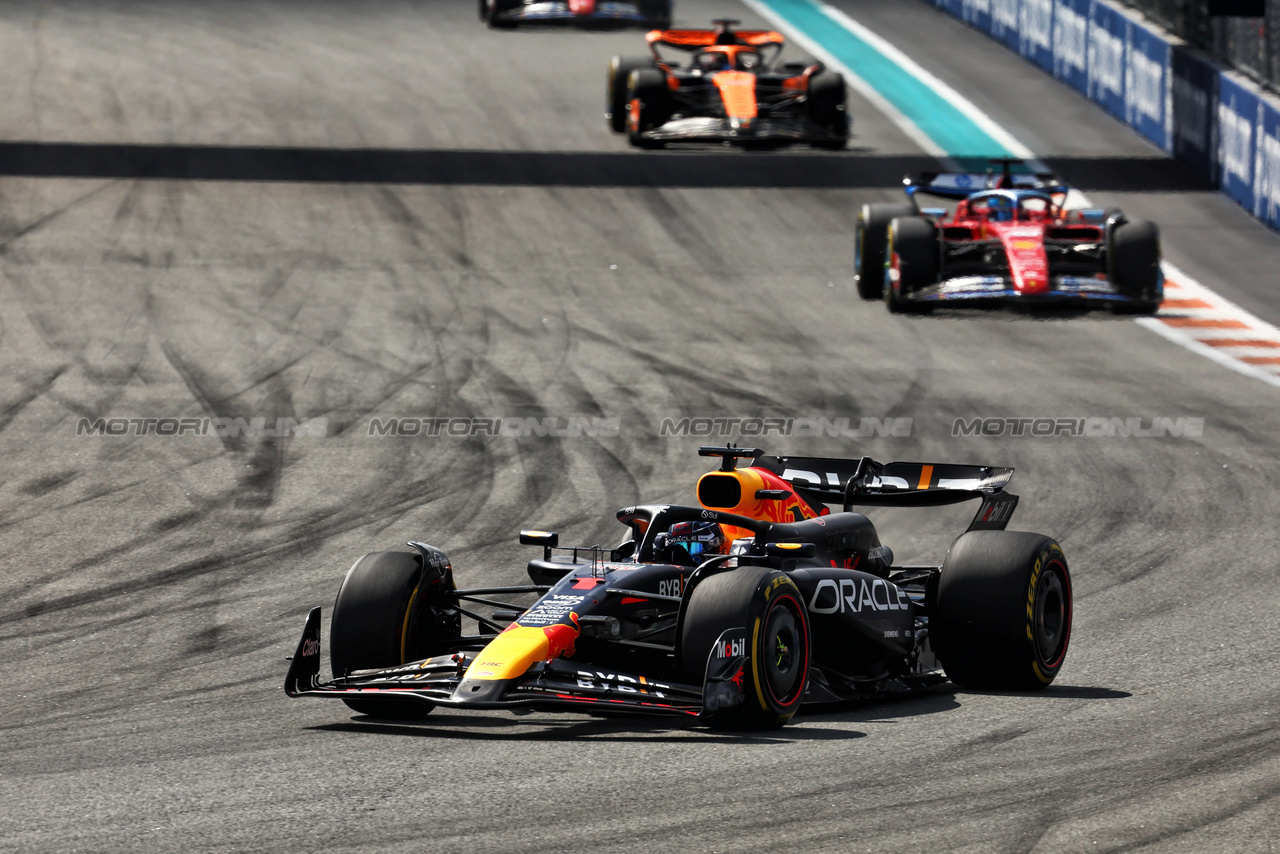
x=615 y=88
x=1134 y=261
x=392 y=608
x=869 y=243
x=1002 y=612
x=826 y=107
x=657 y=13
x=491 y=12
x=913 y=257
x=769 y=606
x=648 y=103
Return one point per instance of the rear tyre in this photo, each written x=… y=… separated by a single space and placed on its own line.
x=826 y=106
x=649 y=105
x=1002 y=615
x=769 y=606
x=868 y=246
x=1135 y=266
x=390 y=611
x=615 y=88
x=913 y=256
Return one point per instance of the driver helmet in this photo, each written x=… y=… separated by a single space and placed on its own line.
x=699 y=539
x=999 y=208
x=715 y=60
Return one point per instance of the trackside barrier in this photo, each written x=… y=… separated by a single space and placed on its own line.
x=1215 y=120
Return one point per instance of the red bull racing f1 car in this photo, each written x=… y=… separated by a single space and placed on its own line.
x=732 y=90
x=506 y=14
x=734 y=612
x=1008 y=239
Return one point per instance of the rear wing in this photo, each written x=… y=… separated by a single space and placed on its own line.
x=724 y=34
x=867 y=483
x=961 y=185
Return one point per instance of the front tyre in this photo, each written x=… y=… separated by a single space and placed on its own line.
x=1002 y=614
x=493 y=12
x=1134 y=261
x=390 y=611
x=657 y=13
x=826 y=108
x=615 y=88
x=914 y=258
x=869 y=245
x=769 y=606
x=649 y=105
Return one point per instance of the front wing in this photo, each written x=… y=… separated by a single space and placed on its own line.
x=719 y=129
x=552 y=685
x=1062 y=289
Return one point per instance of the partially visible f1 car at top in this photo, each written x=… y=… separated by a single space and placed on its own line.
x=733 y=89
x=506 y=14
x=734 y=612
x=1008 y=239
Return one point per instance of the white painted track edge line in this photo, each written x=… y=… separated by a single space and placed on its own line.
x=862 y=87
x=1256 y=324
x=1164 y=331
x=970 y=110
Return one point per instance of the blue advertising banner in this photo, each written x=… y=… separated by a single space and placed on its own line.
x=1193 y=90
x=1107 y=32
x=977 y=13
x=1237 y=119
x=1146 y=85
x=1004 y=21
x=1071 y=42
x=1266 y=166
x=1035 y=32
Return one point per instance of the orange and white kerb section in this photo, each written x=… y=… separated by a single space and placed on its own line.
x=1197 y=318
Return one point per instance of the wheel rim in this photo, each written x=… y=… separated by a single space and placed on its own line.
x=1051 y=616
x=783 y=652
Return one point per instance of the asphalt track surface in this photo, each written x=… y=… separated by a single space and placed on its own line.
x=382 y=209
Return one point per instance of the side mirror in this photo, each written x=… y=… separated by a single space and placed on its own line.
x=547 y=539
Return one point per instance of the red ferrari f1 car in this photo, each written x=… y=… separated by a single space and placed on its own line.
x=735 y=612
x=506 y=14
x=732 y=90
x=1008 y=239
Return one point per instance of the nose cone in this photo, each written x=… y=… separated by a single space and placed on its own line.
x=738 y=92
x=513 y=652
x=1024 y=247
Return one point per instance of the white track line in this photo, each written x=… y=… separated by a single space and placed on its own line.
x=1195 y=317
x=862 y=87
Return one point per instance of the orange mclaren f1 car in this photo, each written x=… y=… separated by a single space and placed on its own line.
x=734 y=612
x=732 y=90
